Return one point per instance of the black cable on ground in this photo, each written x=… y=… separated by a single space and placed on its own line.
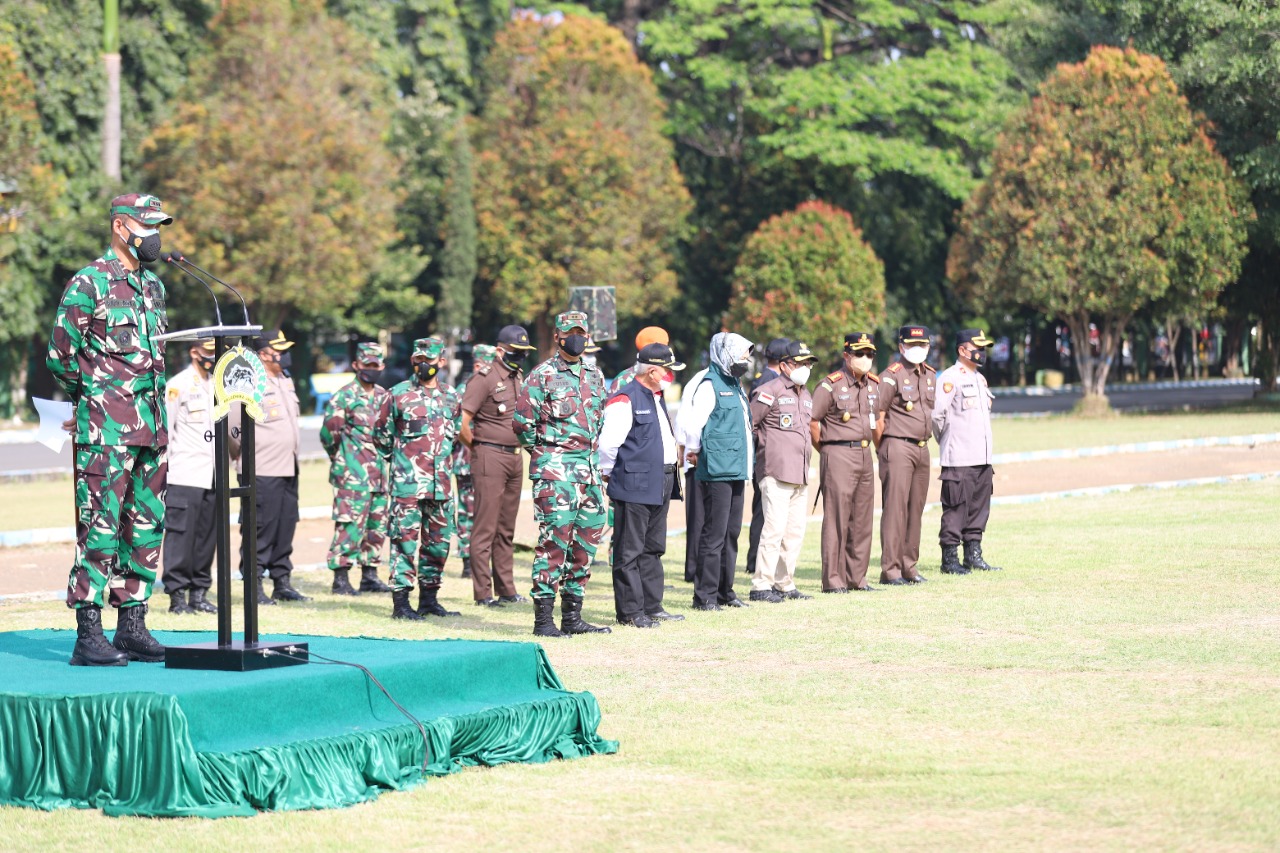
x=324 y=661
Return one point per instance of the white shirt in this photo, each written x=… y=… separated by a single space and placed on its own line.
x=700 y=409
x=189 y=399
x=617 y=426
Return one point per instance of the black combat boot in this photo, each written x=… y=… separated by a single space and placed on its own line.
x=369 y=580
x=133 y=638
x=178 y=603
x=199 y=604
x=341 y=583
x=282 y=590
x=427 y=604
x=544 y=618
x=92 y=648
x=951 y=561
x=571 y=616
x=263 y=598
x=973 y=557
x=400 y=607
x=466 y=567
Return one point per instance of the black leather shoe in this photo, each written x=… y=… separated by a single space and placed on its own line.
x=263 y=598
x=544 y=618
x=697 y=606
x=892 y=582
x=571 y=616
x=867 y=588
x=369 y=581
x=488 y=602
x=178 y=603
x=342 y=583
x=951 y=561
x=133 y=638
x=282 y=590
x=793 y=595
x=641 y=621
x=664 y=616
x=764 y=595
x=512 y=599
x=735 y=602
x=199 y=604
x=427 y=604
x=839 y=591
x=914 y=579
x=401 y=608
x=92 y=648
x=973 y=557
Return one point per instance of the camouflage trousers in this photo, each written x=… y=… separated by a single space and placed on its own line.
x=420 y=533
x=571 y=521
x=359 y=528
x=119 y=524
x=466 y=514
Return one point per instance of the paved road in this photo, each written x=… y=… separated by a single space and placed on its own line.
x=24 y=457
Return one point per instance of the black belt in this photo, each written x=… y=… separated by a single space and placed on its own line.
x=505 y=448
x=917 y=442
x=861 y=443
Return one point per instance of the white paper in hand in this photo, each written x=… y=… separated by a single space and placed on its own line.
x=52 y=415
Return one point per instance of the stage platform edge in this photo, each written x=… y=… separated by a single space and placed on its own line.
x=146 y=740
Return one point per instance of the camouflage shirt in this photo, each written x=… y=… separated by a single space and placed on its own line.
x=461 y=453
x=354 y=422
x=104 y=354
x=558 y=417
x=419 y=435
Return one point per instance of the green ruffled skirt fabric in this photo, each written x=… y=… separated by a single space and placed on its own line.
x=143 y=740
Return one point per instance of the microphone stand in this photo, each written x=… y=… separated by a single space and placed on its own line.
x=172 y=258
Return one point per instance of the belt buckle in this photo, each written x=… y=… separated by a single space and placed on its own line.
x=865 y=443
x=921 y=443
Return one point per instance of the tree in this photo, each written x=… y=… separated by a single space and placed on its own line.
x=808 y=274
x=276 y=163
x=575 y=183
x=1105 y=196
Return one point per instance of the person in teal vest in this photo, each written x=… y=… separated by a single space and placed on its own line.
x=719 y=445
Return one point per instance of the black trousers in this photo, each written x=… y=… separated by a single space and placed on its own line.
x=692 y=523
x=757 y=523
x=966 y=503
x=718 y=551
x=639 y=541
x=277 y=520
x=189 y=537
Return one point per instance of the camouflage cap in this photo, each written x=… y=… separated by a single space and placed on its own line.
x=432 y=347
x=369 y=352
x=144 y=208
x=569 y=320
x=482 y=353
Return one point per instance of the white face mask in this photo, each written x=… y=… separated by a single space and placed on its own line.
x=801 y=374
x=916 y=354
x=863 y=363
x=664 y=384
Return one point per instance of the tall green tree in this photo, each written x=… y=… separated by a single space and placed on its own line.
x=1105 y=196
x=276 y=164
x=575 y=181
x=808 y=274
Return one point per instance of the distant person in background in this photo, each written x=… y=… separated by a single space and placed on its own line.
x=190 y=500
x=774 y=352
x=962 y=424
x=693 y=496
x=354 y=422
x=644 y=337
x=465 y=495
x=276 y=441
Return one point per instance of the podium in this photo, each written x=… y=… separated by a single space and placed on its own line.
x=227 y=654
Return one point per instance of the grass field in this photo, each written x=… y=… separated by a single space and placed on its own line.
x=1116 y=687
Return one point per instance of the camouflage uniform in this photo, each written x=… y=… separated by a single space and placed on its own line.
x=419 y=432
x=558 y=418
x=354 y=424
x=466 y=500
x=104 y=354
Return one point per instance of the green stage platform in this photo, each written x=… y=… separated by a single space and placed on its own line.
x=146 y=740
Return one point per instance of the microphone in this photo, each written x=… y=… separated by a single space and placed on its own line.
x=188 y=266
x=173 y=258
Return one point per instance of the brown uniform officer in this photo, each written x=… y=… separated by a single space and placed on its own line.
x=845 y=427
x=496 y=473
x=907 y=390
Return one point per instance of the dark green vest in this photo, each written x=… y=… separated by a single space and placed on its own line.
x=725 y=439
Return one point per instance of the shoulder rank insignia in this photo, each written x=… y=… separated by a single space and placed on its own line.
x=835 y=377
x=895 y=367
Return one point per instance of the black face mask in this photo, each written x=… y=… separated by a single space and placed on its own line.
x=369 y=376
x=513 y=360
x=978 y=357
x=144 y=248
x=738 y=369
x=207 y=364
x=426 y=372
x=286 y=362
x=574 y=345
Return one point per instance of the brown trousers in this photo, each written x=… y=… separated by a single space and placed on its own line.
x=904 y=482
x=497 y=476
x=848 y=513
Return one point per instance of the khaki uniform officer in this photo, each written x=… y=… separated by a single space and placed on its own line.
x=962 y=423
x=780 y=413
x=846 y=431
x=907 y=390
